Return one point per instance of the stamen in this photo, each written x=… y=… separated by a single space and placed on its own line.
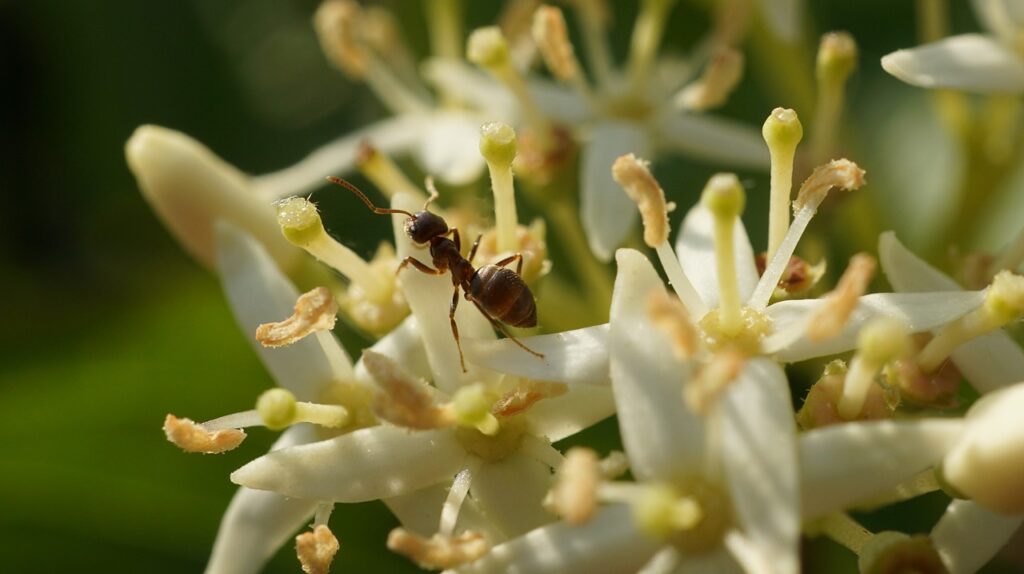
x=782 y=132
x=316 y=549
x=438 y=552
x=881 y=341
x=315 y=311
x=574 y=496
x=669 y=315
x=719 y=78
x=456 y=496
x=552 y=38
x=279 y=410
x=404 y=401
x=191 y=437
x=647 y=33
x=498 y=146
x=837 y=58
x=723 y=196
x=382 y=172
x=844 y=530
x=660 y=511
x=633 y=174
x=829 y=319
x=300 y=222
x=488 y=49
x=1012 y=255
x=839 y=173
x=241 y=420
x=614 y=465
x=1004 y=303
x=594 y=16
x=891 y=551
x=472 y=405
x=524 y=395
x=702 y=392
x=444 y=17
x=323 y=513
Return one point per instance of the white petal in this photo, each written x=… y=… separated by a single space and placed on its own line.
x=608 y=214
x=578 y=357
x=988 y=362
x=429 y=298
x=420 y=512
x=472 y=86
x=190 y=188
x=664 y=562
x=695 y=246
x=968 y=536
x=663 y=438
x=846 y=464
x=713 y=139
x=257 y=523
x=403 y=345
x=1001 y=17
x=759 y=447
x=920 y=311
x=338 y=158
x=572 y=412
x=449 y=148
x=510 y=493
x=372 y=463
x=714 y=562
x=971 y=62
x=783 y=16
x=259 y=293
x=610 y=543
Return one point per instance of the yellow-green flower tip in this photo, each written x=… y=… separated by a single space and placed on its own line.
x=299 y=220
x=276 y=408
x=498 y=143
x=837 y=57
x=888 y=552
x=654 y=511
x=884 y=339
x=782 y=130
x=487 y=48
x=723 y=196
x=1005 y=299
x=472 y=404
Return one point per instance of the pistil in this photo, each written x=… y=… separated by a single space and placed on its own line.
x=498 y=146
x=837 y=58
x=782 y=132
x=278 y=410
x=881 y=341
x=723 y=196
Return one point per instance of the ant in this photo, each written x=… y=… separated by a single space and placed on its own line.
x=497 y=291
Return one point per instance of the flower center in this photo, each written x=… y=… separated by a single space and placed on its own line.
x=356 y=399
x=691 y=514
x=494 y=447
x=753 y=326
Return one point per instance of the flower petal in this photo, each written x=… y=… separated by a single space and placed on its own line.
x=971 y=62
x=566 y=415
x=403 y=345
x=662 y=437
x=420 y=512
x=392 y=135
x=695 y=246
x=372 y=463
x=449 y=148
x=843 y=465
x=968 y=536
x=608 y=214
x=920 y=311
x=714 y=562
x=907 y=272
x=578 y=357
x=258 y=292
x=1001 y=17
x=510 y=493
x=713 y=139
x=783 y=17
x=610 y=543
x=257 y=522
x=759 y=449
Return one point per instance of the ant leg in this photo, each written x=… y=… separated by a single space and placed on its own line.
x=476 y=244
x=510 y=259
x=419 y=265
x=497 y=325
x=455 y=327
x=456 y=238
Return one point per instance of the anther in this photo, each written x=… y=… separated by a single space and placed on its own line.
x=723 y=196
x=669 y=315
x=782 y=132
x=720 y=77
x=552 y=39
x=830 y=318
x=278 y=409
x=314 y=311
x=881 y=341
x=524 y=394
x=498 y=146
x=438 y=552
x=704 y=390
x=189 y=436
x=574 y=496
x=403 y=400
x=336 y=23
x=316 y=549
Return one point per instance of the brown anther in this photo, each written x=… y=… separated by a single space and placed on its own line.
x=438 y=552
x=525 y=394
x=839 y=173
x=820 y=408
x=192 y=437
x=337 y=26
x=614 y=465
x=316 y=549
x=703 y=391
x=633 y=175
x=541 y=157
x=721 y=76
x=830 y=318
x=314 y=311
x=404 y=401
x=574 y=495
x=552 y=38
x=669 y=315
x=936 y=390
x=798 y=277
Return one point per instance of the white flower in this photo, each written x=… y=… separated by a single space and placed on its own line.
x=986 y=63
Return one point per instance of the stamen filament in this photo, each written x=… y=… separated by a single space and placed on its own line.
x=782 y=132
x=444 y=18
x=844 y=530
x=594 y=16
x=647 y=32
x=680 y=282
x=488 y=49
x=723 y=196
x=383 y=173
x=837 y=58
x=323 y=513
x=456 y=496
x=244 y=419
x=498 y=146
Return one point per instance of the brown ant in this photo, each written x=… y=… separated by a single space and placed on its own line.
x=498 y=292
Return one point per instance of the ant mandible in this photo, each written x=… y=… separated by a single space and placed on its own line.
x=498 y=292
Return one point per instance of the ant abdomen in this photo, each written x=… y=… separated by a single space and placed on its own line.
x=504 y=295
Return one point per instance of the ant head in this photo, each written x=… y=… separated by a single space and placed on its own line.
x=423 y=226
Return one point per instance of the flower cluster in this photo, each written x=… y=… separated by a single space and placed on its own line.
x=452 y=426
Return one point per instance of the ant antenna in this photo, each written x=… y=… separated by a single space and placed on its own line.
x=429 y=183
x=366 y=200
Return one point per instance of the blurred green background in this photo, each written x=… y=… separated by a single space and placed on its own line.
x=109 y=326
